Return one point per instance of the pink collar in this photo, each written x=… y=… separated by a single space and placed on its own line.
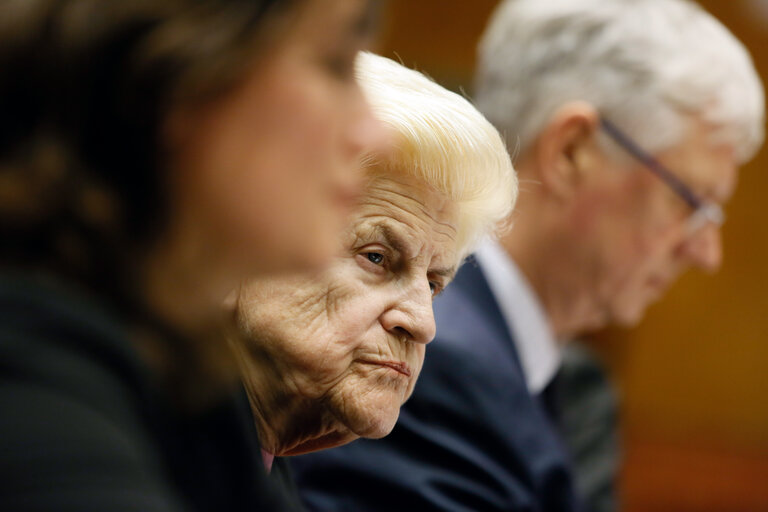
x=267 y=458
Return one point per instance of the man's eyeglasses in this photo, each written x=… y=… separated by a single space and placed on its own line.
x=704 y=211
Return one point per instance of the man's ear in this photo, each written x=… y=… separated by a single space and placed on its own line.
x=566 y=149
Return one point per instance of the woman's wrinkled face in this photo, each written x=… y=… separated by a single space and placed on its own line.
x=268 y=172
x=354 y=337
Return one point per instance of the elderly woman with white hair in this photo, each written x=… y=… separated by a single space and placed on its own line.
x=630 y=119
x=330 y=358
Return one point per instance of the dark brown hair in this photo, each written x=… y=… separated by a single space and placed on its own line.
x=85 y=86
x=85 y=89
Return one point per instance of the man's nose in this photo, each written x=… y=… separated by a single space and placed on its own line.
x=704 y=248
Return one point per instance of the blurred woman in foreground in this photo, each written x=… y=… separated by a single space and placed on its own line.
x=329 y=358
x=155 y=153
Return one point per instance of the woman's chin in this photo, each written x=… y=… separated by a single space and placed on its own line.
x=377 y=427
x=326 y=442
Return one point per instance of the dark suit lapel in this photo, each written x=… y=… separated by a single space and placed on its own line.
x=470 y=289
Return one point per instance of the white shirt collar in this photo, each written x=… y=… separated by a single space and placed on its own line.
x=534 y=340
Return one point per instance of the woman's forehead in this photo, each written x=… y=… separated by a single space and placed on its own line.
x=408 y=192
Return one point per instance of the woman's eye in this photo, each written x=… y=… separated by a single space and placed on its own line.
x=374 y=262
x=341 y=66
x=375 y=257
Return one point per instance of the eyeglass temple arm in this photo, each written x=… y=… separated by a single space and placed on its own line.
x=651 y=163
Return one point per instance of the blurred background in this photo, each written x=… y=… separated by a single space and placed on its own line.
x=694 y=376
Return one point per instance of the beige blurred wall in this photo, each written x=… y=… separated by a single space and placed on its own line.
x=694 y=375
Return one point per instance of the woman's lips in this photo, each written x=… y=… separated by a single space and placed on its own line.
x=398 y=366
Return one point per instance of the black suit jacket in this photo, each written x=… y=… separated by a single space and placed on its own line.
x=471 y=438
x=84 y=425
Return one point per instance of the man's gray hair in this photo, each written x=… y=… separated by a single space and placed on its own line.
x=645 y=64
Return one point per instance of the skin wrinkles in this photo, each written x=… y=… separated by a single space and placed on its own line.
x=379 y=227
x=326 y=336
x=392 y=194
x=396 y=202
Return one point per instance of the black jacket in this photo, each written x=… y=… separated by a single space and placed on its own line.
x=84 y=426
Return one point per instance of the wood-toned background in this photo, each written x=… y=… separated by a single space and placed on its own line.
x=694 y=375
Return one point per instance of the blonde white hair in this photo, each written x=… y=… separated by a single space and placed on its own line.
x=647 y=65
x=441 y=138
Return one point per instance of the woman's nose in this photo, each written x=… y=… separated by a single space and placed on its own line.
x=412 y=316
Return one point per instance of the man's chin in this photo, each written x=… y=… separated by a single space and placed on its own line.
x=629 y=316
x=615 y=314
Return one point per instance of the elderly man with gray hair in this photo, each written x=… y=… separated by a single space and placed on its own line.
x=630 y=119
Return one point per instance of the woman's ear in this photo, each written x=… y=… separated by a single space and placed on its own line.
x=566 y=149
x=231 y=300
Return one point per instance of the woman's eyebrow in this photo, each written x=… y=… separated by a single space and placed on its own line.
x=367 y=22
x=393 y=238
x=363 y=23
x=399 y=243
x=445 y=272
